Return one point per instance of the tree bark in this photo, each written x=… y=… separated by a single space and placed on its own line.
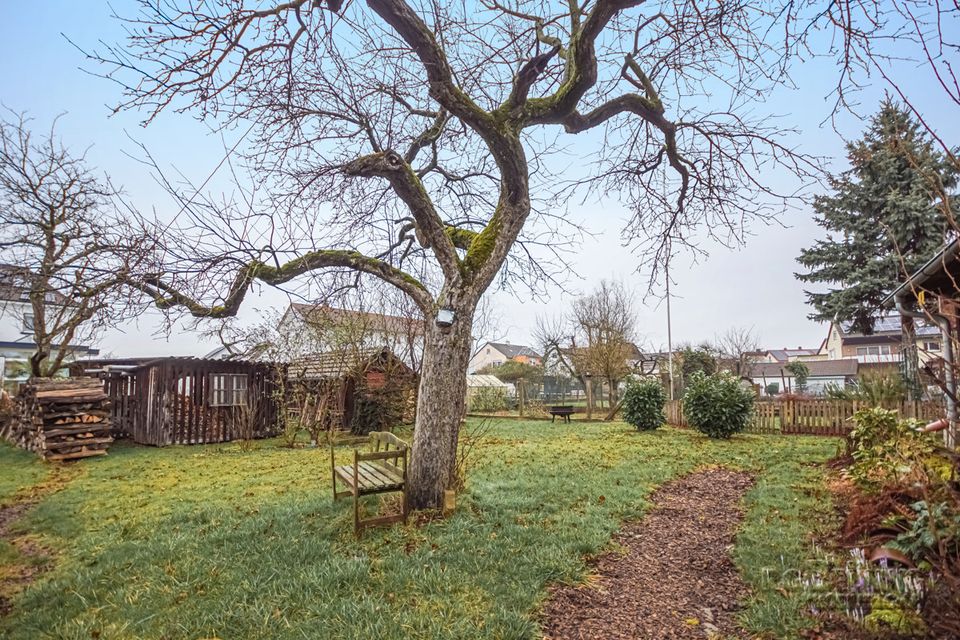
x=440 y=408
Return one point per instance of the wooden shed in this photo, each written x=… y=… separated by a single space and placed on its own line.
x=330 y=384
x=183 y=400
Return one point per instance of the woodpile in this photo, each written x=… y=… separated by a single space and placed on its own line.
x=63 y=419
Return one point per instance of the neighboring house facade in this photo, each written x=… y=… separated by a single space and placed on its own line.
x=335 y=328
x=16 y=328
x=823 y=374
x=492 y=354
x=883 y=346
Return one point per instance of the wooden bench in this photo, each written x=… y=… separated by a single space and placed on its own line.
x=381 y=470
x=560 y=411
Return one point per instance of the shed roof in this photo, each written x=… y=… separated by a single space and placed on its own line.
x=939 y=275
x=485 y=380
x=340 y=364
x=817 y=368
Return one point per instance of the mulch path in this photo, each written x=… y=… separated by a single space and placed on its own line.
x=674 y=578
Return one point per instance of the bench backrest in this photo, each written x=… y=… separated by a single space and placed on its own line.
x=386 y=448
x=383 y=440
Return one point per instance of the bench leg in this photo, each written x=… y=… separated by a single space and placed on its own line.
x=356 y=513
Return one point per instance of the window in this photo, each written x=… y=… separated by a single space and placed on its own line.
x=931 y=345
x=876 y=350
x=28 y=323
x=228 y=389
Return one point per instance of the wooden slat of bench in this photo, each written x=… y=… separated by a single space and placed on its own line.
x=386 y=475
x=368 y=480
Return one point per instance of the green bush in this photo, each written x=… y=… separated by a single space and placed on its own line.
x=718 y=405
x=886 y=450
x=488 y=399
x=643 y=404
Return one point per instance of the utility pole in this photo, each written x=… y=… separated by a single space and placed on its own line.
x=669 y=328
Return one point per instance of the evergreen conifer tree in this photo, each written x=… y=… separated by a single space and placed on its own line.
x=884 y=219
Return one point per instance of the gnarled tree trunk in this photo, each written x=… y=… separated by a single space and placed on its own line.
x=440 y=408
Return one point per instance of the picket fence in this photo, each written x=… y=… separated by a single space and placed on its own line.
x=813 y=417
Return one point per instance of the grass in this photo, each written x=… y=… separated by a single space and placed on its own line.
x=204 y=542
x=18 y=470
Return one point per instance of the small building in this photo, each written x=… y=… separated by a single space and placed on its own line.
x=185 y=400
x=931 y=298
x=493 y=354
x=822 y=375
x=336 y=329
x=329 y=386
x=476 y=382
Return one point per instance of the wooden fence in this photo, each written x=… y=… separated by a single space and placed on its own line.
x=812 y=417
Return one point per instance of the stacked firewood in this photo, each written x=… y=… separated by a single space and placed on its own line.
x=63 y=419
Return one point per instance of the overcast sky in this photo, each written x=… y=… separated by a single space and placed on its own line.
x=752 y=286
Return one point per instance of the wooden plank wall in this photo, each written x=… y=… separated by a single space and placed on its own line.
x=167 y=402
x=812 y=417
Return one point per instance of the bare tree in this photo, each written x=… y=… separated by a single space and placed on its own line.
x=596 y=340
x=58 y=244
x=414 y=143
x=740 y=347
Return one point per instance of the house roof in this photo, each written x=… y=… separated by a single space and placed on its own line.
x=339 y=364
x=783 y=355
x=513 y=350
x=325 y=315
x=817 y=368
x=887 y=324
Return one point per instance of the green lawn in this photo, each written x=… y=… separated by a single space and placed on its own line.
x=210 y=541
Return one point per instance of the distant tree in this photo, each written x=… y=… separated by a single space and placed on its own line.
x=512 y=371
x=884 y=218
x=739 y=346
x=801 y=372
x=702 y=359
x=58 y=243
x=595 y=342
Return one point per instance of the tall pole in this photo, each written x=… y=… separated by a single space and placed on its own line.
x=669 y=329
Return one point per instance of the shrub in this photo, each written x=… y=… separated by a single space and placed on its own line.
x=772 y=389
x=885 y=449
x=488 y=399
x=718 y=405
x=643 y=404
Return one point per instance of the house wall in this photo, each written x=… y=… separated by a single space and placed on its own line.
x=409 y=348
x=485 y=356
x=11 y=322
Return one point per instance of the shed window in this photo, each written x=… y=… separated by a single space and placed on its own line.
x=228 y=389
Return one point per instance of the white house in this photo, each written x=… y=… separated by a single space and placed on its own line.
x=16 y=327
x=492 y=354
x=331 y=329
